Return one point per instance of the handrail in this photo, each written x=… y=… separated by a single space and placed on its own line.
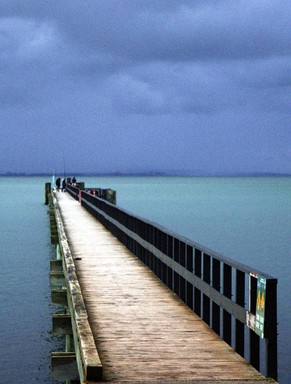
x=230 y=297
x=105 y=194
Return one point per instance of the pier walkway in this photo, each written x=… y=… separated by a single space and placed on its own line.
x=143 y=332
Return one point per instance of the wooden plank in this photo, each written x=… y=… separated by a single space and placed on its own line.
x=143 y=331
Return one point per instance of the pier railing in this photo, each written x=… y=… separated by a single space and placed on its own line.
x=104 y=194
x=238 y=302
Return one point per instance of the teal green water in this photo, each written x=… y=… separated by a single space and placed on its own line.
x=25 y=310
x=246 y=219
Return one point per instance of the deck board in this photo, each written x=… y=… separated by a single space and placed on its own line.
x=142 y=330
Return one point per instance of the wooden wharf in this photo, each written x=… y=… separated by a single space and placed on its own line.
x=127 y=325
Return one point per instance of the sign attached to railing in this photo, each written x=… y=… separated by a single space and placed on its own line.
x=256 y=321
x=260 y=307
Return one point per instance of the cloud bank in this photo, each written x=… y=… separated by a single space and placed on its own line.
x=135 y=86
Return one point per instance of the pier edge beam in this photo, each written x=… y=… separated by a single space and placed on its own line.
x=87 y=358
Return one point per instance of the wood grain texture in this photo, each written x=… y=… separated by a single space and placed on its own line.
x=143 y=331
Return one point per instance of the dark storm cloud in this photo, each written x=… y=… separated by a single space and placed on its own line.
x=145 y=31
x=80 y=66
x=164 y=30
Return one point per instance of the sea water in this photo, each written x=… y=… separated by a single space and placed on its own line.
x=246 y=219
x=25 y=309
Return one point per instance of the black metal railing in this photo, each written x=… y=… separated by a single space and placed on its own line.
x=238 y=302
x=105 y=194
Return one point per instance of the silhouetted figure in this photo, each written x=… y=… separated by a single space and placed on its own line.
x=64 y=184
x=58 y=183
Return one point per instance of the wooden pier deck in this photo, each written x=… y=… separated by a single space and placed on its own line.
x=143 y=332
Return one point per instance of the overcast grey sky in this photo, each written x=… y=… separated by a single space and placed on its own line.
x=195 y=86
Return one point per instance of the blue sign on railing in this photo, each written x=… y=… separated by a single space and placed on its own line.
x=260 y=307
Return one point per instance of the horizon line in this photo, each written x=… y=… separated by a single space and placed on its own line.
x=128 y=174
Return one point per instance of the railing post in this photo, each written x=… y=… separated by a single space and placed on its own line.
x=177 y=259
x=216 y=285
x=254 y=338
x=227 y=285
x=271 y=328
x=182 y=262
x=169 y=269
x=254 y=350
x=189 y=265
x=206 y=278
x=197 y=292
x=239 y=326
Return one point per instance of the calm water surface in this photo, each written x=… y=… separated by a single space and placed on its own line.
x=25 y=309
x=246 y=219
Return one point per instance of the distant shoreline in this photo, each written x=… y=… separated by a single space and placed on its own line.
x=144 y=174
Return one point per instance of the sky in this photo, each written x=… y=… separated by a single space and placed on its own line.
x=167 y=86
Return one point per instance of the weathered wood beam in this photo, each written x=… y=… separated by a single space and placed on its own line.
x=57 y=279
x=47 y=191
x=87 y=358
x=56 y=265
x=62 y=324
x=64 y=366
x=59 y=296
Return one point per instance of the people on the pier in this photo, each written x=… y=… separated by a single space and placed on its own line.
x=74 y=181
x=58 y=183
x=64 y=185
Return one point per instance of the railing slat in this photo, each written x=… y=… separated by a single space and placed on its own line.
x=216 y=285
x=239 y=326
